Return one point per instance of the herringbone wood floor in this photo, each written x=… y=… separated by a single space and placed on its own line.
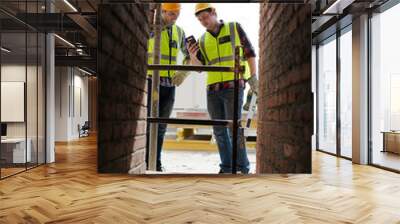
x=71 y=191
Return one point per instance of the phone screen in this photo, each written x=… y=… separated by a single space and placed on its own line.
x=190 y=40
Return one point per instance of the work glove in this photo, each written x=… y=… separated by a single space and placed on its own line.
x=179 y=77
x=246 y=106
x=249 y=97
x=253 y=82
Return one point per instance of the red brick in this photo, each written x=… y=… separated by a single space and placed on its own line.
x=285 y=101
x=122 y=101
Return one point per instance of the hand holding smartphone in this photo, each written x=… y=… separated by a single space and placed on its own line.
x=192 y=46
x=191 y=40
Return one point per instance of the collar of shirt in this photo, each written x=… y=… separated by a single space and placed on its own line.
x=169 y=30
x=167 y=27
x=220 y=25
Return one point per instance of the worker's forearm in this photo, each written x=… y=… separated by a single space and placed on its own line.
x=186 y=61
x=252 y=65
x=195 y=61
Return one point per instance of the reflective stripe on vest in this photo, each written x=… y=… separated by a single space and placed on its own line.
x=167 y=46
x=220 y=51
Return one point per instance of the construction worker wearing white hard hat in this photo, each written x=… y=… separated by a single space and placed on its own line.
x=172 y=41
x=216 y=47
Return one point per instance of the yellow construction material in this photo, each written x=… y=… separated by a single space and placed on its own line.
x=182 y=133
x=197 y=145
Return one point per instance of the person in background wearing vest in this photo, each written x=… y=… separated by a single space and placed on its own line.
x=216 y=47
x=172 y=41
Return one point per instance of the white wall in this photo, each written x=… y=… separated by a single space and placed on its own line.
x=13 y=99
x=17 y=73
x=80 y=103
x=14 y=73
x=33 y=126
x=71 y=94
x=62 y=81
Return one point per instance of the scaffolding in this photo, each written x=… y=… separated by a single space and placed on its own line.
x=154 y=120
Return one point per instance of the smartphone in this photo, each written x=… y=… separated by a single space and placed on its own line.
x=191 y=40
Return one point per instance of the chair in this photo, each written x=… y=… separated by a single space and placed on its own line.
x=84 y=130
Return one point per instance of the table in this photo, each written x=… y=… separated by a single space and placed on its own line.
x=13 y=150
x=391 y=141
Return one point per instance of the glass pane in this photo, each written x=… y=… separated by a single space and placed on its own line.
x=23 y=89
x=32 y=86
x=314 y=89
x=327 y=96
x=346 y=94
x=41 y=49
x=31 y=100
x=14 y=151
x=386 y=89
x=41 y=99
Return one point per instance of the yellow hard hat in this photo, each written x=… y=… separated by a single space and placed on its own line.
x=202 y=6
x=171 y=6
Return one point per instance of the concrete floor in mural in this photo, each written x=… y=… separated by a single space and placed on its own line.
x=197 y=162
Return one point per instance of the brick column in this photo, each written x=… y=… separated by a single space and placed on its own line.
x=285 y=107
x=122 y=45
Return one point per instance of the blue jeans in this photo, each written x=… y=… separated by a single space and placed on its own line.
x=166 y=104
x=220 y=106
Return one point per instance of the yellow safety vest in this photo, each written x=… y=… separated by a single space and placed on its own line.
x=220 y=51
x=169 y=49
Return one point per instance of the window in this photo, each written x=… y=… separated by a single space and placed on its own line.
x=327 y=96
x=385 y=88
x=346 y=75
x=22 y=76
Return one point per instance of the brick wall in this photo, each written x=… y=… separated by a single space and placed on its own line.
x=122 y=43
x=285 y=101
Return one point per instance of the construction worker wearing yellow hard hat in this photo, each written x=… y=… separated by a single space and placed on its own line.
x=172 y=42
x=216 y=47
x=170 y=12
